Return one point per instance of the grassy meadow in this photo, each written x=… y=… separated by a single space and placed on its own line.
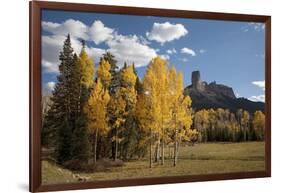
x=202 y=158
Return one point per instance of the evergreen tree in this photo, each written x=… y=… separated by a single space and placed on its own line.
x=64 y=116
x=80 y=139
x=129 y=94
x=61 y=100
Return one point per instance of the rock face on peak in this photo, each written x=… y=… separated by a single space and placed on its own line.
x=215 y=95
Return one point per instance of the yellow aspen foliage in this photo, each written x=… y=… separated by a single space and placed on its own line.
x=87 y=69
x=159 y=67
x=201 y=122
x=259 y=124
x=103 y=73
x=117 y=113
x=128 y=77
x=151 y=99
x=245 y=122
x=96 y=111
x=96 y=108
x=180 y=108
x=127 y=89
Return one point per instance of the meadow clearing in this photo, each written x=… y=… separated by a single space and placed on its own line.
x=202 y=158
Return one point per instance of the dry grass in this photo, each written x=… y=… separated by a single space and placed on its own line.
x=199 y=159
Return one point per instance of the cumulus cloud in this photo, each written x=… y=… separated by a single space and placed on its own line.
x=165 y=56
x=50 y=67
x=171 y=51
x=126 y=48
x=74 y=27
x=52 y=45
x=130 y=49
x=50 y=85
x=259 y=98
x=188 y=51
x=260 y=84
x=166 y=32
x=99 y=33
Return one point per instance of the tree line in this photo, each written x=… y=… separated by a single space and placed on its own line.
x=111 y=113
x=223 y=125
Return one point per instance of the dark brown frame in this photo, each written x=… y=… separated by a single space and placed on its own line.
x=35 y=93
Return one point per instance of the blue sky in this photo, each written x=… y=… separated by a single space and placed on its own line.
x=231 y=53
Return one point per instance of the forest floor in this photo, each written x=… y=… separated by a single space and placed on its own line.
x=208 y=158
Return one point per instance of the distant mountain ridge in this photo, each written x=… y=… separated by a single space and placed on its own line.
x=215 y=95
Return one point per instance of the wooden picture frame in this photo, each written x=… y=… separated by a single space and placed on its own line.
x=35 y=93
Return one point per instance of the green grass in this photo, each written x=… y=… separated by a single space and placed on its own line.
x=198 y=159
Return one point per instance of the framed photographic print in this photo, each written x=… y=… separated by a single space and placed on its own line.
x=123 y=96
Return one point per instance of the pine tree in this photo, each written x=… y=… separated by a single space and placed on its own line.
x=81 y=81
x=129 y=94
x=80 y=139
x=61 y=99
x=65 y=117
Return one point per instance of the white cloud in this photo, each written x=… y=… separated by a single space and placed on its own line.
x=188 y=51
x=74 y=27
x=50 y=85
x=171 y=51
x=253 y=27
x=260 y=98
x=166 y=32
x=99 y=33
x=77 y=29
x=260 y=84
x=130 y=49
x=165 y=56
x=50 y=67
x=95 y=53
x=202 y=51
x=237 y=94
x=52 y=45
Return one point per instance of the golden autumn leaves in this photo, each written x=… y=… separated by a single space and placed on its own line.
x=161 y=109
